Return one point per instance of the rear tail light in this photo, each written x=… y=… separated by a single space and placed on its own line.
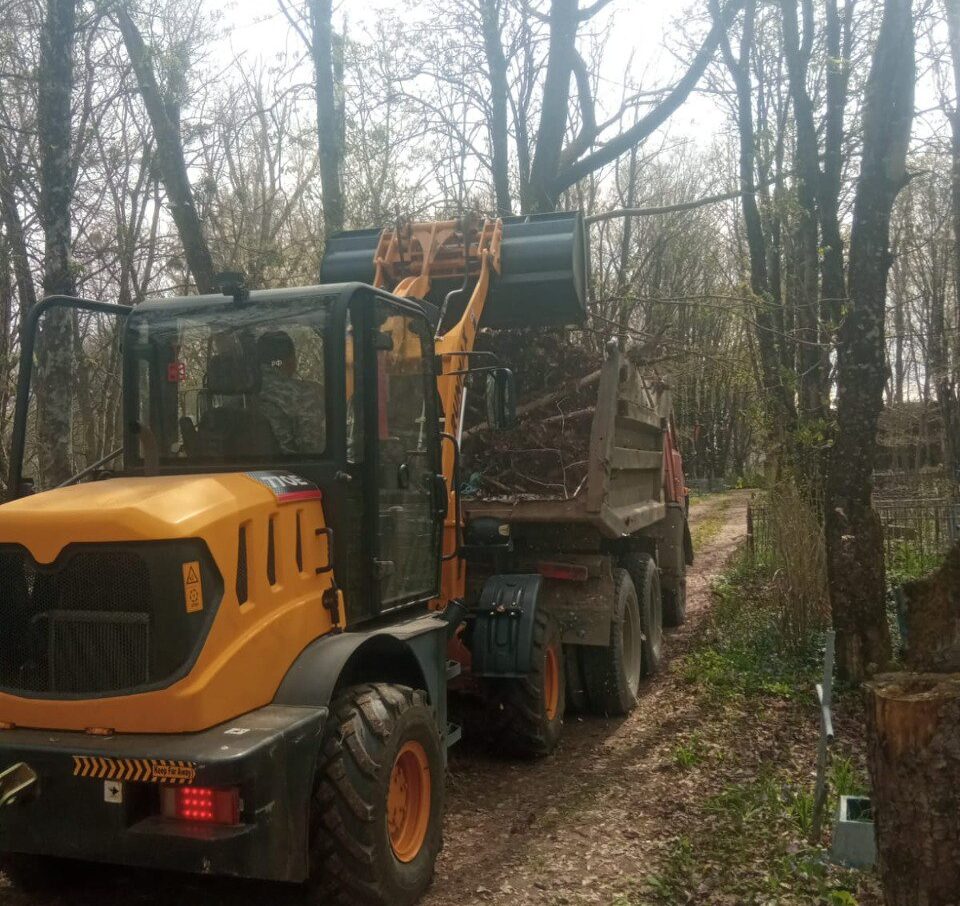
x=567 y=572
x=200 y=803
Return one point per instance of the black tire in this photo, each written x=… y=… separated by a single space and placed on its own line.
x=612 y=674
x=675 y=604
x=646 y=579
x=518 y=710
x=352 y=857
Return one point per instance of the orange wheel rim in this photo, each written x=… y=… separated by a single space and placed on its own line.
x=408 y=802
x=551 y=684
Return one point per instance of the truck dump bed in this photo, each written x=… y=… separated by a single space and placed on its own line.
x=622 y=492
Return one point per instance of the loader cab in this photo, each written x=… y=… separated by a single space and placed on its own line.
x=333 y=384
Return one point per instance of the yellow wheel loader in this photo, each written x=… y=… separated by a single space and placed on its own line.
x=226 y=648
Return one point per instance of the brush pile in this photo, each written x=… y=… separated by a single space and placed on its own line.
x=545 y=455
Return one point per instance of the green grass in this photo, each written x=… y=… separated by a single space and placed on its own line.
x=744 y=654
x=750 y=847
x=689 y=754
x=905 y=564
x=707 y=529
x=749 y=841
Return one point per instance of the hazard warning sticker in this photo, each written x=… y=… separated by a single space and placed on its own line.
x=116 y=771
x=286 y=486
x=192 y=586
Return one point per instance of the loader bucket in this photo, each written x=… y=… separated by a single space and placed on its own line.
x=543 y=273
x=542 y=280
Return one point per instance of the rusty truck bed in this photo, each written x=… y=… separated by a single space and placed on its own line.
x=623 y=490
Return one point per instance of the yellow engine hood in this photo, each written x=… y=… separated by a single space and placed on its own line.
x=130 y=509
x=252 y=641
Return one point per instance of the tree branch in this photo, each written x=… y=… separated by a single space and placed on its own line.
x=646 y=126
x=672 y=208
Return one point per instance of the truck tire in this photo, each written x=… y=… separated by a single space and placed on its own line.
x=527 y=713
x=675 y=604
x=646 y=579
x=377 y=811
x=612 y=674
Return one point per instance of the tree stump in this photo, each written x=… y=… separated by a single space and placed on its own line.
x=913 y=727
x=933 y=619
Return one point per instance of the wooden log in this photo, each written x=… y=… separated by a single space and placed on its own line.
x=913 y=731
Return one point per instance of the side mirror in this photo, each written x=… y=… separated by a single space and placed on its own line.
x=501 y=399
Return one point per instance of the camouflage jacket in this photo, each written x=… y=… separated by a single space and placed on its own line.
x=295 y=410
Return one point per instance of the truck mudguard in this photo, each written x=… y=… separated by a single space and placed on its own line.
x=500 y=636
x=411 y=653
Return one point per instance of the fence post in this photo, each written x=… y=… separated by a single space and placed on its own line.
x=825 y=698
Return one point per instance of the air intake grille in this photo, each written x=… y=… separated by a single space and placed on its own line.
x=100 y=620
x=98 y=651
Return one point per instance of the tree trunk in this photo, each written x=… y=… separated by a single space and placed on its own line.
x=329 y=114
x=812 y=393
x=933 y=619
x=169 y=157
x=853 y=532
x=780 y=404
x=913 y=728
x=950 y=410
x=10 y=214
x=832 y=282
x=554 y=112
x=499 y=94
x=54 y=383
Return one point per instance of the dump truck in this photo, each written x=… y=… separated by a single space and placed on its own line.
x=228 y=646
x=607 y=563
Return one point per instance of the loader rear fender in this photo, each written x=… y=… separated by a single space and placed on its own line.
x=333 y=663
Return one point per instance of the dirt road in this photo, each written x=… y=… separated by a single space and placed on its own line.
x=583 y=826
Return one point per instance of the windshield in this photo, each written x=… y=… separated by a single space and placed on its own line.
x=228 y=383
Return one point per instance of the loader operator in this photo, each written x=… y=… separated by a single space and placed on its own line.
x=293 y=407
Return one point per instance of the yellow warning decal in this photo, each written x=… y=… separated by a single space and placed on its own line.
x=137 y=770
x=192 y=587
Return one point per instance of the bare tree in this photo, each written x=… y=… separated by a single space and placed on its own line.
x=557 y=165
x=57 y=175
x=165 y=119
x=854 y=535
x=313 y=22
x=782 y=405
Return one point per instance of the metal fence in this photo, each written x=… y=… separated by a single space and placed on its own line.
x=920 y=529
x=917 y=531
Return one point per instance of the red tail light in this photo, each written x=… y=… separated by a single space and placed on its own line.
x=568 y=572
x=199 y=803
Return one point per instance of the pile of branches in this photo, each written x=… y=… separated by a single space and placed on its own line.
x=545 y=455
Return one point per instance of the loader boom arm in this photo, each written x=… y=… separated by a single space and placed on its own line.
x=412 y=257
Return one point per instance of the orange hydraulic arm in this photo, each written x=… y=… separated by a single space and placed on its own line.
x=410 y=258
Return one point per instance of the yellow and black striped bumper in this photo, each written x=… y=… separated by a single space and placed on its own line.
x=97 y=798
x=135 y=770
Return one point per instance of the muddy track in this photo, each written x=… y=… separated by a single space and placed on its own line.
x=582 y=826
x=579 y=826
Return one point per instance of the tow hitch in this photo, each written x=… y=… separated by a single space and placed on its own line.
x=17 y=784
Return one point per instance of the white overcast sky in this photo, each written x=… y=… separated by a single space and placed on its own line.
x=645 y=29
